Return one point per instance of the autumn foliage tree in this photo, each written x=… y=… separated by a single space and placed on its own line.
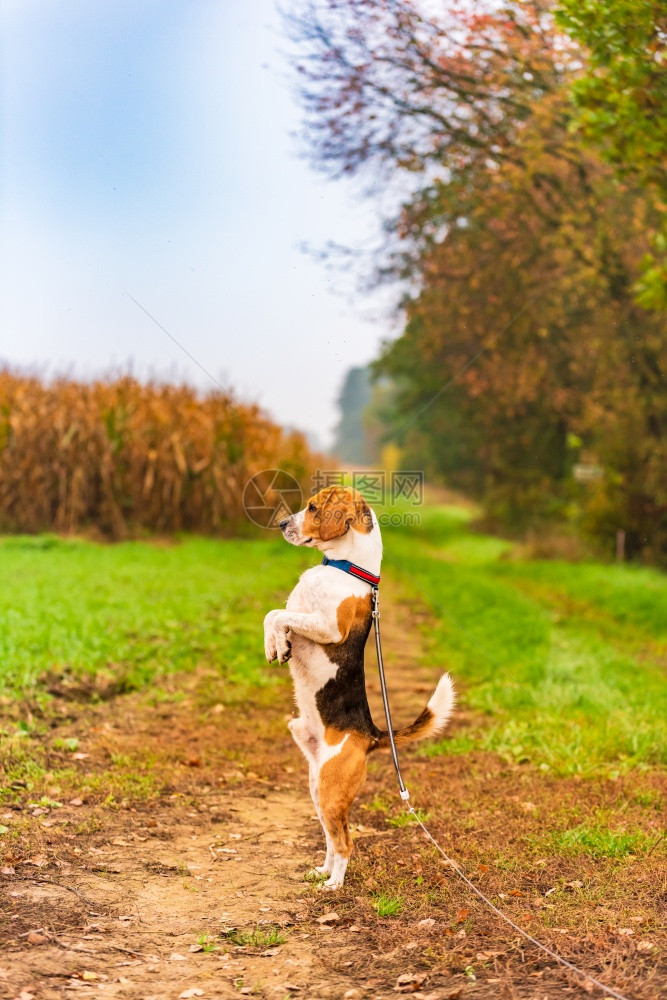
x=621 y=101
x=537 y=288
x=524 y=349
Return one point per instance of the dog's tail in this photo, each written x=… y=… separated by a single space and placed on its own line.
x=432 y=720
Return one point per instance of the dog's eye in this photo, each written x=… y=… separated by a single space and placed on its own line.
x=312 y=508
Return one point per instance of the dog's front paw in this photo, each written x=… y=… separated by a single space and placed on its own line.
x=283 y=644
x=270 y=650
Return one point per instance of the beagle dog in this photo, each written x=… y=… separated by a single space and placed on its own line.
x=323 y=632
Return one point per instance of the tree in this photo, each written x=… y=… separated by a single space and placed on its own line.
x=517 y=249
x=350 y=438
x=622 y=104
x=537 y=289
x=383 y=85
x=622 y=94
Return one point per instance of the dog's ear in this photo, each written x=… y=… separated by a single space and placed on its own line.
x=363 y=521
x=337 y=513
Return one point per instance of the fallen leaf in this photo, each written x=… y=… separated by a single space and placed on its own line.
x=80 y=756
x=427 y=922
x=271 y=952
x=576 y=885
x=36 y=937
x=625 y=931
x=644 y=946
x=482 y=869
x=409 y=982
x=8 y=870
x=328 y=918
x=515 y=892
x=38 y=860
x=194 y=762
x=462 y=916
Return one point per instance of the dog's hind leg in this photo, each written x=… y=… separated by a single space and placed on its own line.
x=309 y=745
x=340 y=779
x=314 y=777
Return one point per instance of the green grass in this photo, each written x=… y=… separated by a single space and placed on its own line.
x=406 y=818
x=207 y=943
x=387 y=906
x=260 y=937
x=600 y=842
x=136 y=610
x=564 y=661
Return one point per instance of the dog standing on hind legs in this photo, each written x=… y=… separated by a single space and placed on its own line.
x=323 y=632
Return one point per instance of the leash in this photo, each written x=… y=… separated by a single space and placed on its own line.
x=405 y=794
x=374 y=582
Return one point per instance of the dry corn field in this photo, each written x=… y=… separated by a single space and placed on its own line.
x=121 y=457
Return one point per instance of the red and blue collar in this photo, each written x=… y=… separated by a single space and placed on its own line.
x=353 y=570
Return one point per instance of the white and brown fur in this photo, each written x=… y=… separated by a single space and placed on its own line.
x=323 y=632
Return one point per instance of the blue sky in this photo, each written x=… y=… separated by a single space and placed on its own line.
x=147 y=148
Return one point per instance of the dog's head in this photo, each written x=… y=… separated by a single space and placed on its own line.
x=330 y=514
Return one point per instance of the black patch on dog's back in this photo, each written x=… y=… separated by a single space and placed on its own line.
x=342 y=701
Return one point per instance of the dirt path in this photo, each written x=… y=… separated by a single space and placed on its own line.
x=152 y=899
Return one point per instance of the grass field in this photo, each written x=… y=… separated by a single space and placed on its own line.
x=566 y=662
x=552 y=776
x=134 y=611
x=563 y=662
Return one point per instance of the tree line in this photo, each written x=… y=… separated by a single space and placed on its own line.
x=526 y=146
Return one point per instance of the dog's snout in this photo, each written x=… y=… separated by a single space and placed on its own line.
x=283 y=524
